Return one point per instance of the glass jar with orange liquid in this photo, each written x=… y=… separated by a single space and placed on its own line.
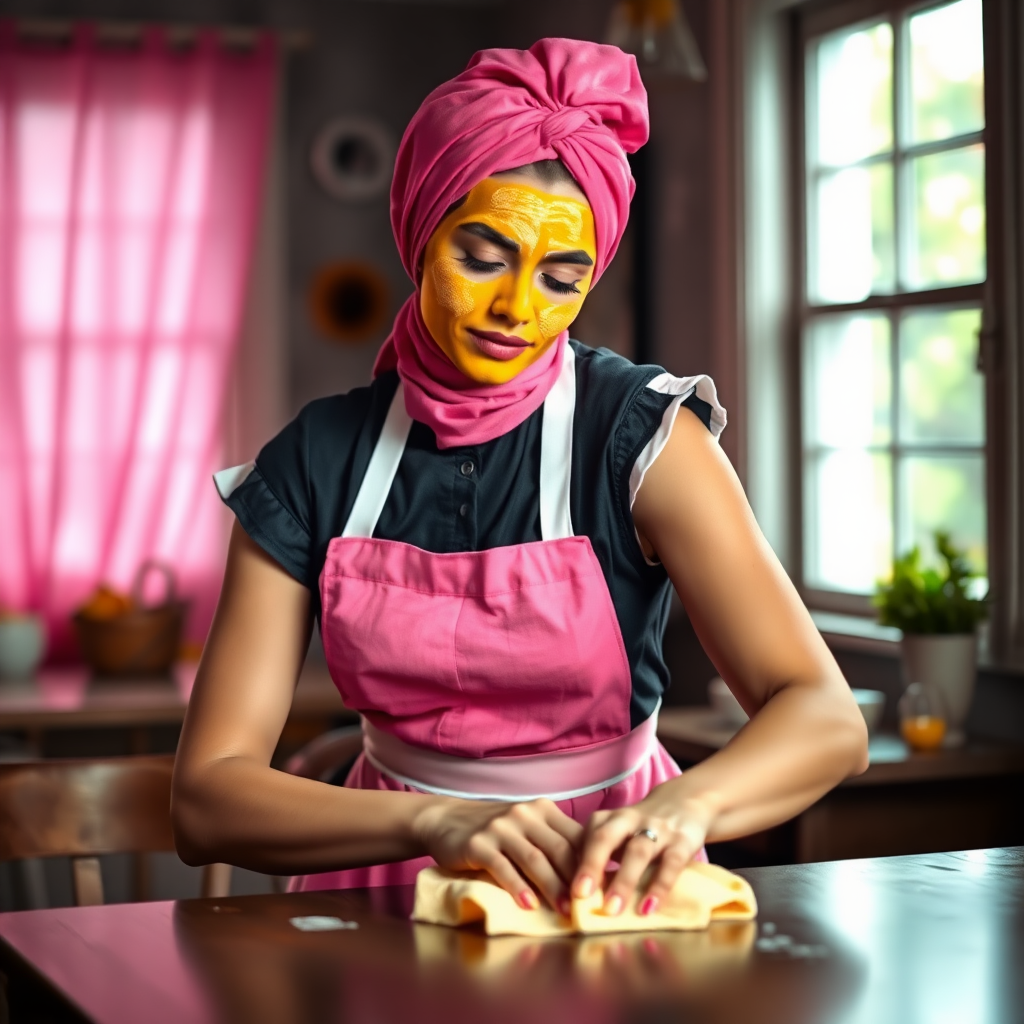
x=922 y=716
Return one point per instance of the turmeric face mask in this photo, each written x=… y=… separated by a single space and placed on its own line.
x=504 y=274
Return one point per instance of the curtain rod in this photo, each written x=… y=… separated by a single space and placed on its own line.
x=128 y=32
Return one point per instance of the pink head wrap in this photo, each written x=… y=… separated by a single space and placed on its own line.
x=580 y=102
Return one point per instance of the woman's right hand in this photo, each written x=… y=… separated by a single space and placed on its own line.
x=512 y=842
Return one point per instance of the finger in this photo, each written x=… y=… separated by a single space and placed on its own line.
x=484 y=856
x=555 y=834
x=602 y=840
x=637 y=856
x=533 y=862
x=565 y=826
x=558 y=849
x=673 y=860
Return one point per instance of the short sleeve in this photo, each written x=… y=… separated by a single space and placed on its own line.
x=271 y=500
x=298 y=493
x=646 y=428
x=670 y=394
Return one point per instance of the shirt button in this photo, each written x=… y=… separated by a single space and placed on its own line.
x=463 y=509
x=466 y=468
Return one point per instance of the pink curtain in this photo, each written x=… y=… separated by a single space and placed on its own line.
x=130 y=181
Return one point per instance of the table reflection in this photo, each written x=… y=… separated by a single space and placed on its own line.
x=255 y=966
x=936 y=936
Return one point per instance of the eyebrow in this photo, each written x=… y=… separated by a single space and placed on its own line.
x=490 y=235
x=577 y=257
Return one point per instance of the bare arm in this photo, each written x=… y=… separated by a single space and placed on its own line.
x=806 y=733
x=229 y=805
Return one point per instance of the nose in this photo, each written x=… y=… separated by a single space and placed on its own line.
x=512 y=303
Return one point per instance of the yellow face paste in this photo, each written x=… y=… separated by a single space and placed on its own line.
x=491 y=271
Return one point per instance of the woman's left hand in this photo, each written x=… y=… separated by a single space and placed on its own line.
x=679 y=823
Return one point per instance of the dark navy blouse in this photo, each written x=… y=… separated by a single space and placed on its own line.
x=476 y=497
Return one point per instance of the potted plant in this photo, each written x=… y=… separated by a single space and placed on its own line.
x=939 y=618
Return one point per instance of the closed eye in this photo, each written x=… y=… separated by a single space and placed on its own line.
x=563 y=287
x=481 y=266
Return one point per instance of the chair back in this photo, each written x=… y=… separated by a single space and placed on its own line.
x=325 y=757
x=84 y=808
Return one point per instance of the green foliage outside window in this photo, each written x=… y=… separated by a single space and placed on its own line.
x=928 y=600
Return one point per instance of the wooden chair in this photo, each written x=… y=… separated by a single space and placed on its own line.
x=83 y=808
x=328 y=757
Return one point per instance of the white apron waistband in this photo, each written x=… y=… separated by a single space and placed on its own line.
x=562 y=775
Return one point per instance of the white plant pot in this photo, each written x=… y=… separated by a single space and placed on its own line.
x=948 y=662
x=22 y=643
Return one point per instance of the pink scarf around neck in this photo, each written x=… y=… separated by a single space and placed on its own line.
x=459 y=410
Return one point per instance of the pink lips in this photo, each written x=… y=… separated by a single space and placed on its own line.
x=499 y=346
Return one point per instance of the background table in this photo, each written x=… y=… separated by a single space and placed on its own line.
x=910 y=940
x=71 y=701
x=906 y=802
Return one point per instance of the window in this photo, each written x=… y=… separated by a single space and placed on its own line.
x=130 y=178
x=893 y=407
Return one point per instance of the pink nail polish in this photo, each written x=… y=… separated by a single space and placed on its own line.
x=649 y=906
x=584 y=887
x=613 y=905
x=528 y=900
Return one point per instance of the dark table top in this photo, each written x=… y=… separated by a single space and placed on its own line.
x=909 y=940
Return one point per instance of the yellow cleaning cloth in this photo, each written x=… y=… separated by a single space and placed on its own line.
x=703 y=893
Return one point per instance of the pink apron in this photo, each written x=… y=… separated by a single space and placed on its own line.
x=496 y=674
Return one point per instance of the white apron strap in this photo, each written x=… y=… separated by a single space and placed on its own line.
x=376 y=485
x=556 y=452
x=555 y=460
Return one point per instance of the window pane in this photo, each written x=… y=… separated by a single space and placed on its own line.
x=848 y=382
x=854 y=254
x=848 y=515
x=944 y=493
x=853 y=98
x=942 y=396
x=947 y=72
x=947 y=244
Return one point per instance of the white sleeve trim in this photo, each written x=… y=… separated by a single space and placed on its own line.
x=682 y=387
x=229 y=480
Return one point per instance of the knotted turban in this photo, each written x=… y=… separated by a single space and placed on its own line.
x=579 y=102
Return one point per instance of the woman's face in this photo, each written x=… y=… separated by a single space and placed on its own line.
x=506 y=273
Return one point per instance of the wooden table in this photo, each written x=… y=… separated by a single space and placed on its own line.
x=906 y=801
x=907 y=940
x=71 y=700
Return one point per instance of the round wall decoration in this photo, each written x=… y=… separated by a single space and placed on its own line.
x=353 y=157
x=349 y=301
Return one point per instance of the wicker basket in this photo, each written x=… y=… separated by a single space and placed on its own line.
x=142 y=642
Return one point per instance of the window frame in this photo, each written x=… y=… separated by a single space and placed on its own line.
x=807 y=22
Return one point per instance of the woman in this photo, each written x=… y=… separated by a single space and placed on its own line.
x=488 y=535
